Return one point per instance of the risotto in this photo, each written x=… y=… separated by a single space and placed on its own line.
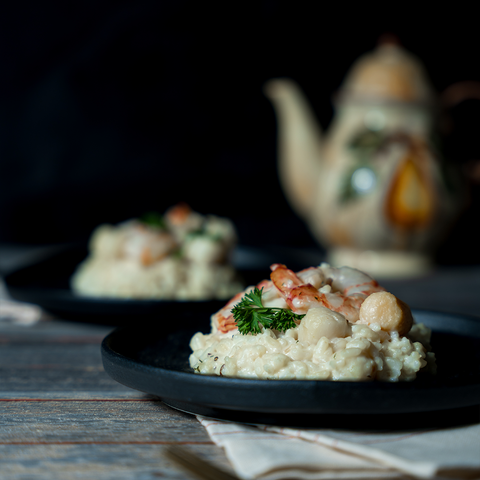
x=181 y=255
x=339 y=325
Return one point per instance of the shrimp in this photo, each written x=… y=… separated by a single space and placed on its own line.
x=223 y=320
x=145 y=244
x=182 y=220
x=342 y=290
x=178 y=214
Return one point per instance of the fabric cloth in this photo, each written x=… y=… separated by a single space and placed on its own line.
x=271 y=453
x=17 y=312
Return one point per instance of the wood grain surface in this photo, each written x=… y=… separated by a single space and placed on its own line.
x=63 y=417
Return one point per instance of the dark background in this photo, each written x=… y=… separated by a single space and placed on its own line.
x=111 y=109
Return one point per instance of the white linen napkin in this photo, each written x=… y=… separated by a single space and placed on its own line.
x=274 y=453
x=17 y=312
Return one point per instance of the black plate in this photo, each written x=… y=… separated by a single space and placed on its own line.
x=46 y=283
x=156 y=362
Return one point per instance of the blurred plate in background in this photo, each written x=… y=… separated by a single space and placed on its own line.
x=45 y=282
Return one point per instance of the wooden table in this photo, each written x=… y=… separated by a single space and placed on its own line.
x=63 y=417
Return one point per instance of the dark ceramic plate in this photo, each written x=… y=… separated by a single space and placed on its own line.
x=156 y=362
x=46 y=283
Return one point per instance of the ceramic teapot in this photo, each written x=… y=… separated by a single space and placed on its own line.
x=374 y=190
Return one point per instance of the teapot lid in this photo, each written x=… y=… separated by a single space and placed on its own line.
x=388 y=73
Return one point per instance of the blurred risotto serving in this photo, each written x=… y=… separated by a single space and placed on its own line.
x=181 y=255
x=322 y=323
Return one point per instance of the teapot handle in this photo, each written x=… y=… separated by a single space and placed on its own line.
x=450 y=98
x=460 y=91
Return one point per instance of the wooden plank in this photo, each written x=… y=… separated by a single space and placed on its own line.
x=56 y=360
x=52 y=329
x=53 y=367
x=107 y=421
x=57 y=356
x=99 y=462
x=66 y=395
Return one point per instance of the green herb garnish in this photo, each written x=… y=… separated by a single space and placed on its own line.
x=249 y=313
x=154 y=219
x=215 y=237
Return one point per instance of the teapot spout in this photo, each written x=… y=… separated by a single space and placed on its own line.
x=299 y=143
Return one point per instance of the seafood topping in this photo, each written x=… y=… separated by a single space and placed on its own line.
x=250 y=313
x=322 y=323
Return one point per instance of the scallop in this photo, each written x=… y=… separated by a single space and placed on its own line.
x=387 y=311
x=321 y=322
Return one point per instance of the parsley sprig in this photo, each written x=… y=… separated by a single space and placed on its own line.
x=154 y=219
x=249 y=313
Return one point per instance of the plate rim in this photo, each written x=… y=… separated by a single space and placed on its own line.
x=134 y=373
